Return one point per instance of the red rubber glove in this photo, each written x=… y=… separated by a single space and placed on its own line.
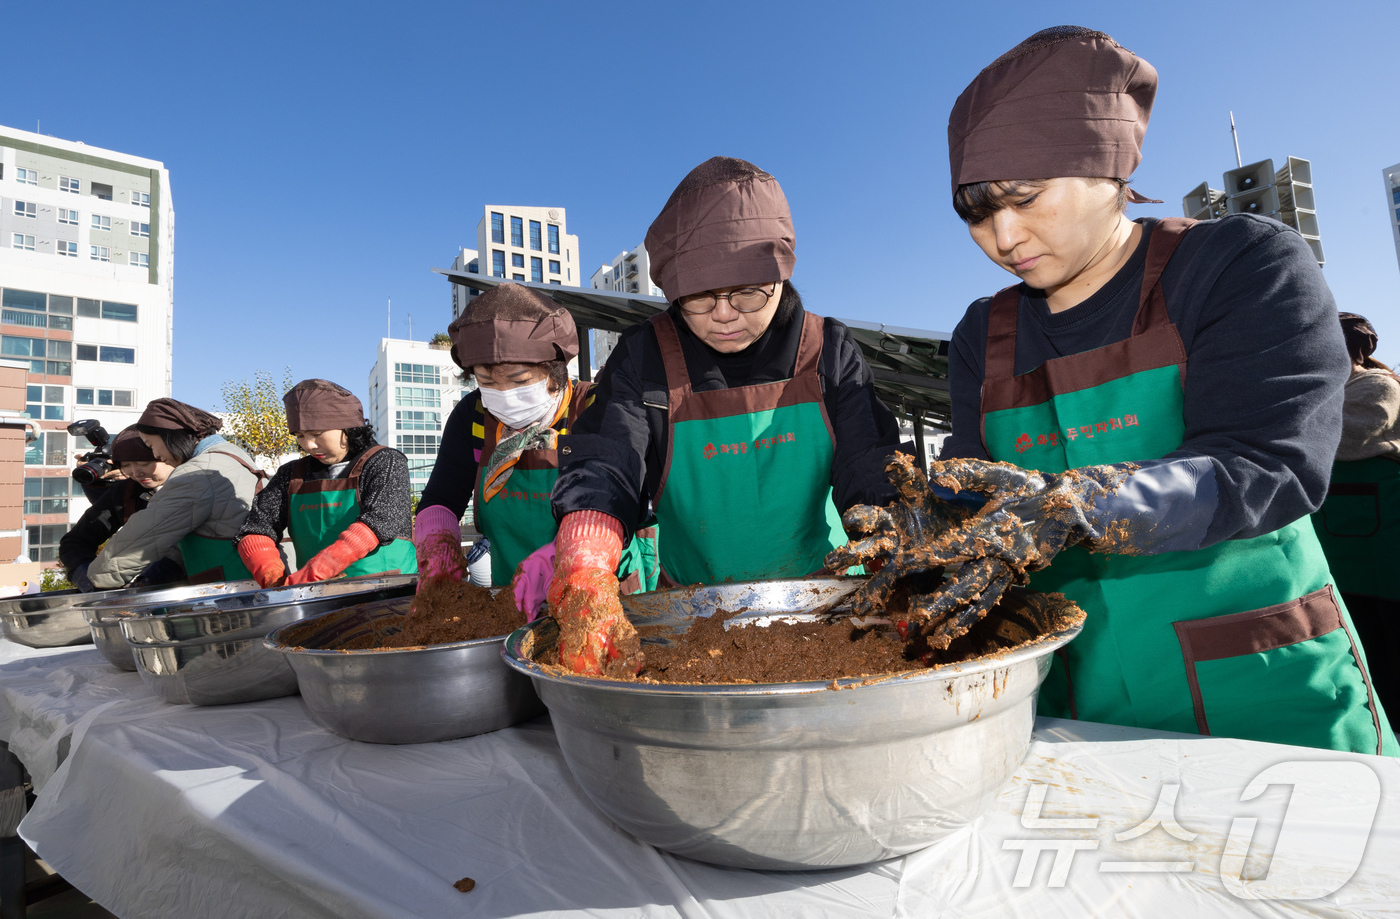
x=437 y=537
x=263 y=561
x=583 y=597
x=353 y=544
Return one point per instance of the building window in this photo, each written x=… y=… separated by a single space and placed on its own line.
x=51 y=449
x=68 y=185
x=416 y=373
x=418 y=421
x=100 y=254
x=117 y=398
x=419 y=444
x=69 y=249
x=553 y=266
x=106 y=354
x=122 y=312
x=498 y=263
x=517 y=260
x=138 y=260
x=27 y=176
x=417 y=397
x=141 y=199
x=102 y=191
x=517 y=277
x=553 y=240
x=20 y=241
x=44 y=402
x=25 y=209
x=536 y=269
x=46 y=495
x=43 y=541
x=498 y=228
x=535 y=242
x=67 y=216
x=101 y=223
x=140 y=229
x=517 y=232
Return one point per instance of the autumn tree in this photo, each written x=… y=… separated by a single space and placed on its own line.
x=256 y=420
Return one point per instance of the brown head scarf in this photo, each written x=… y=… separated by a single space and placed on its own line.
x=1068 y=101
x=128 y=447
x=512 y=324
x=169 y=415
x=320 y=405
x=1360 y=336
x=726 y=224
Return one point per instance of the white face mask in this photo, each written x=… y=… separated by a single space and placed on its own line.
x=519 y=407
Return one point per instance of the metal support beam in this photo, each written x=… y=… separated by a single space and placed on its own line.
x=585 y=354
x=920 y=452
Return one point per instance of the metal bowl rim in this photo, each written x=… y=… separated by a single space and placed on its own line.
x=510 y=653
x=211 y=601
x=275 y=643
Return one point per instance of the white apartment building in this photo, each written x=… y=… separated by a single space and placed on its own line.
x=527 y=244
x=413 y=387
x=627 y=273
x=87 y=282
x=1392 y=204
x=466 y=260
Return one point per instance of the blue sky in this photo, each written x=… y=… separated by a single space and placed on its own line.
x=324 y=157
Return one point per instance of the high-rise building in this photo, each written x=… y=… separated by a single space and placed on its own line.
x=413 y=387
x=627 y=273
x=527 y=244
x=87 y=280
x=1392 y=204
x=462 y=295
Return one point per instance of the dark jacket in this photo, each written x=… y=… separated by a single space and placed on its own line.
x=116 y=503
x=617 y=449
x=385 y=496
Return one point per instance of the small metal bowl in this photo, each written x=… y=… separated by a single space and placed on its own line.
x=790 y=775
x=209 y=651
x=104 y=616
x=54 y=619
x=402 y=695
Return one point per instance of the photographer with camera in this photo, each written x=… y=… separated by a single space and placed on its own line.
x=116 y=502
x=96 y=469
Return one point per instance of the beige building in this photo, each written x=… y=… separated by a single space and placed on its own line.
x=1392 y=204
x=527 y=244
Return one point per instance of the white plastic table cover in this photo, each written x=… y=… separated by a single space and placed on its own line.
x=255 y=810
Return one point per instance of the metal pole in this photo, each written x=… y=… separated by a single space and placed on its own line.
x=1235 y=135
x=585 y=354
x=920 y=452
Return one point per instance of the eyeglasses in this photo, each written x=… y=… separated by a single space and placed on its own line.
x=744 y=300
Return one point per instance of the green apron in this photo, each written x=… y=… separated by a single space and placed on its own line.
x=1359 y=526
x=208 y=559
x=746 y=492
x=319 y=510
x=1247 y=638
x=518 y=519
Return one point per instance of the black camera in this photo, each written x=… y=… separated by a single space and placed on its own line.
x=98 y=461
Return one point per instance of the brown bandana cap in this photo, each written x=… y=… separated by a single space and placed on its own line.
x=128 y=447
x=512 y=324
x=1068 y=101
x=169 y=415
x=320 y=405
x=725 y=225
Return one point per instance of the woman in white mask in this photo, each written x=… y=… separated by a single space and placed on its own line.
x=498 y=446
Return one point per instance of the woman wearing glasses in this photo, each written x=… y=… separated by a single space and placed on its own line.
x=743 y=422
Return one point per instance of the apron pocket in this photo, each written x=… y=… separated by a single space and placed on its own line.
x=1352 y=509
x=1288 y=673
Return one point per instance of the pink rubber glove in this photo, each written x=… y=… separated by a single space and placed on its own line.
x=438 y=539
x=531 y=581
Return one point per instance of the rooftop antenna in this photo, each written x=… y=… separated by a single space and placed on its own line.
x=410 y=327
x=389 y=320
x=1235 y=135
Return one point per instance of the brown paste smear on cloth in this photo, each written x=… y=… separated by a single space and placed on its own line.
x=465 y=885
x=445 y=611
x=783 y=652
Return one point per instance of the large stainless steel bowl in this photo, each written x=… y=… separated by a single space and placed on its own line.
x=209 y=651
x=53 y=619
x=402 y=695
x=790 y=775
x=104 y=615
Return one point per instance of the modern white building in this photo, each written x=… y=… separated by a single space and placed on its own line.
x=527 y=244
x=1392 y=202
x=87 y=281
x=466 y=260
x=413 y=387
x=627 y=273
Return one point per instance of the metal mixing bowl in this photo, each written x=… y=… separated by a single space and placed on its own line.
x=53 y=619
x=402 y=695
x=790 y=775
x=104 y=615
x=209 y=651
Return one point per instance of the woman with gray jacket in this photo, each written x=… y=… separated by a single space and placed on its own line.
x=200 y=509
